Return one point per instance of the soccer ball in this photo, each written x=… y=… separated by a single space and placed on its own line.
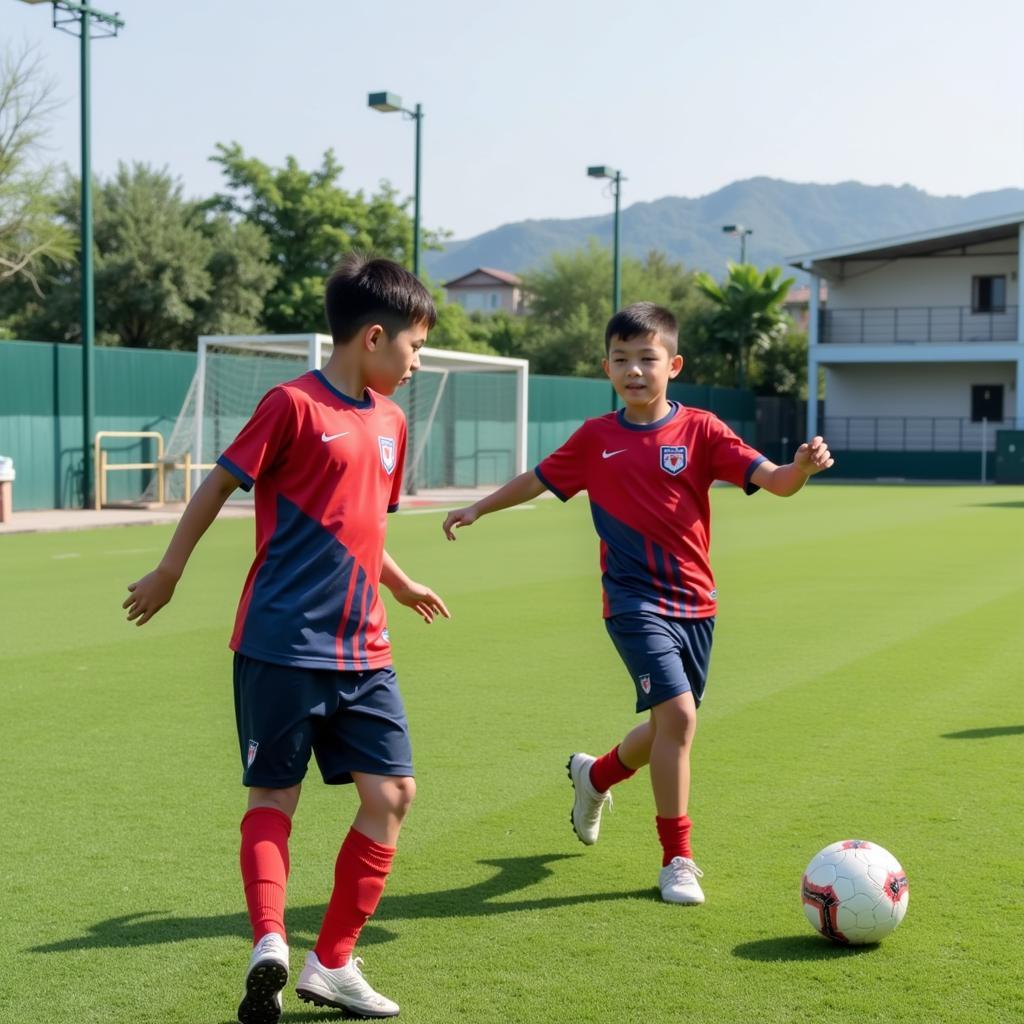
x=854 y=892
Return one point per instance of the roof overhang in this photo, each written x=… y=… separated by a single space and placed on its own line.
x=925 y=243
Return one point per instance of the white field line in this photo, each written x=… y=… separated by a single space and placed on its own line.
x=119 y=551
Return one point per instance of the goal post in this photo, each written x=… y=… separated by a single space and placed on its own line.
x=466 y=411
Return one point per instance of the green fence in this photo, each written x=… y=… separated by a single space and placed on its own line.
x=472 y=442
x=41 y=414
x=558 y=405
x=738 y=408
x=865 y=465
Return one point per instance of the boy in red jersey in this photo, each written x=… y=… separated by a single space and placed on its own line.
x=647 y=470
x=312 y=666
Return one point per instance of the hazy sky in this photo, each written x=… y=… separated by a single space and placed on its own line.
x=520 y=97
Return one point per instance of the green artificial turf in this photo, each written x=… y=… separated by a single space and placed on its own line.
x=866 y=682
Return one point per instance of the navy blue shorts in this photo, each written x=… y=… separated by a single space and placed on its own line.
x=665 y=657
x=351 y=721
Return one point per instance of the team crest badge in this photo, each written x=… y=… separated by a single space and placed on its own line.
x=387 y=453
x=251 y=755
x=673 y=458
x=645 y=683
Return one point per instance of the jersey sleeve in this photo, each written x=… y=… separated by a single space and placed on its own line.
x=396 y=480
x=262 y=440
x=563 y=472
x=732 y=459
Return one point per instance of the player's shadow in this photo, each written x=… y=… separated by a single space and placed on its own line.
x=787 y=948
x=986 y=733
x=998 y=504
x=513 y=875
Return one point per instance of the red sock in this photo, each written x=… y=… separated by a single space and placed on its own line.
x=264 y=860
x=674 y=834
x=608 y=770
x=359 y=875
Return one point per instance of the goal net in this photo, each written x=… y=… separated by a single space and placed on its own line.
x=466 y=412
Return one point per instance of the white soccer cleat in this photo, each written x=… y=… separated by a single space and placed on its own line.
x=266 y=976
x=678 y=882
x=588 y=802
x=342 y=987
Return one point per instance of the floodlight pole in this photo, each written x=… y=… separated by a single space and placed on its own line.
x=84 y=15
x=387 y=103
x=418 y=116
x=88 y=298
x=616 y=178
x=742 y=232
x=616 y=246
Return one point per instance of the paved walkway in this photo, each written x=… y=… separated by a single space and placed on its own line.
x=49 y=520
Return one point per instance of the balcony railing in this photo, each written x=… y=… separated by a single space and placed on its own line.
x=916 y=324
x=912 y=433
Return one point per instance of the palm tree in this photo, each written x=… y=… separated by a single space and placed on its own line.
x=747 y=313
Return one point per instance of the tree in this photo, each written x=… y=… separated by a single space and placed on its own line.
x=456 y=330
x=504 y=333
x=31 y=238
x=570 y=305
x=166 y=270
x=311 y=222
x=747 y=314
x=781 y=367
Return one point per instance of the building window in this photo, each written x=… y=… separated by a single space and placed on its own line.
x=495 y=298
x=989 y=294
x=987 y=403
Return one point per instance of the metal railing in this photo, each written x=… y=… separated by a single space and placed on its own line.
x=916 y=324
x=912 y=433
x=161 y=466
x=103 y=467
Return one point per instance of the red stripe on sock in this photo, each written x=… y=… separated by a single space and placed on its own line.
x=608 y=770
x=674 y=834
x=263 y=858
x=360 y=872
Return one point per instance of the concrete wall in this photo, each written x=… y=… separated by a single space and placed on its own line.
x=944 y=280
x=913 y=389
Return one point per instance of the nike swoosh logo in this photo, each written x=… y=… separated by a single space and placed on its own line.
x=608 y=455
x=330 y=437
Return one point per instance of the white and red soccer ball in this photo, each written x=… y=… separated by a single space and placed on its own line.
x=854 y=892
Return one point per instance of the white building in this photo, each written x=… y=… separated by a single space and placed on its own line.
x=486 y=290
x=921 y=339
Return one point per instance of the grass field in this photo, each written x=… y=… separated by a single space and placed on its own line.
x=867 y=681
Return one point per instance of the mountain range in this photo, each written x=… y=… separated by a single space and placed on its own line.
x=786 y=217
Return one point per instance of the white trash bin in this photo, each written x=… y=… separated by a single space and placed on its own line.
x=6 y=488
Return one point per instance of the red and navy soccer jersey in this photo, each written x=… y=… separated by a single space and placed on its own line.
x=327 y=469
x=648 y=488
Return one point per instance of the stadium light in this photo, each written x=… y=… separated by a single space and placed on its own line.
x=390 y=103
x=742 y=232
x=604 y=171
x=66 y=13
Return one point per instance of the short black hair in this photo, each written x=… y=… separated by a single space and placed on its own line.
x=363 y=290
x=643 y=318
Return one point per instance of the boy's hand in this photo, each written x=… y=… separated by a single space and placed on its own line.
x=459 y=517
x=421 y=600
x=813 y=457
x=148 y=595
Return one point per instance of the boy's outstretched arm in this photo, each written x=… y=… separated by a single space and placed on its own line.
x=148 y=595
x=810 y=458
x=521 y=488
x=419 y=598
